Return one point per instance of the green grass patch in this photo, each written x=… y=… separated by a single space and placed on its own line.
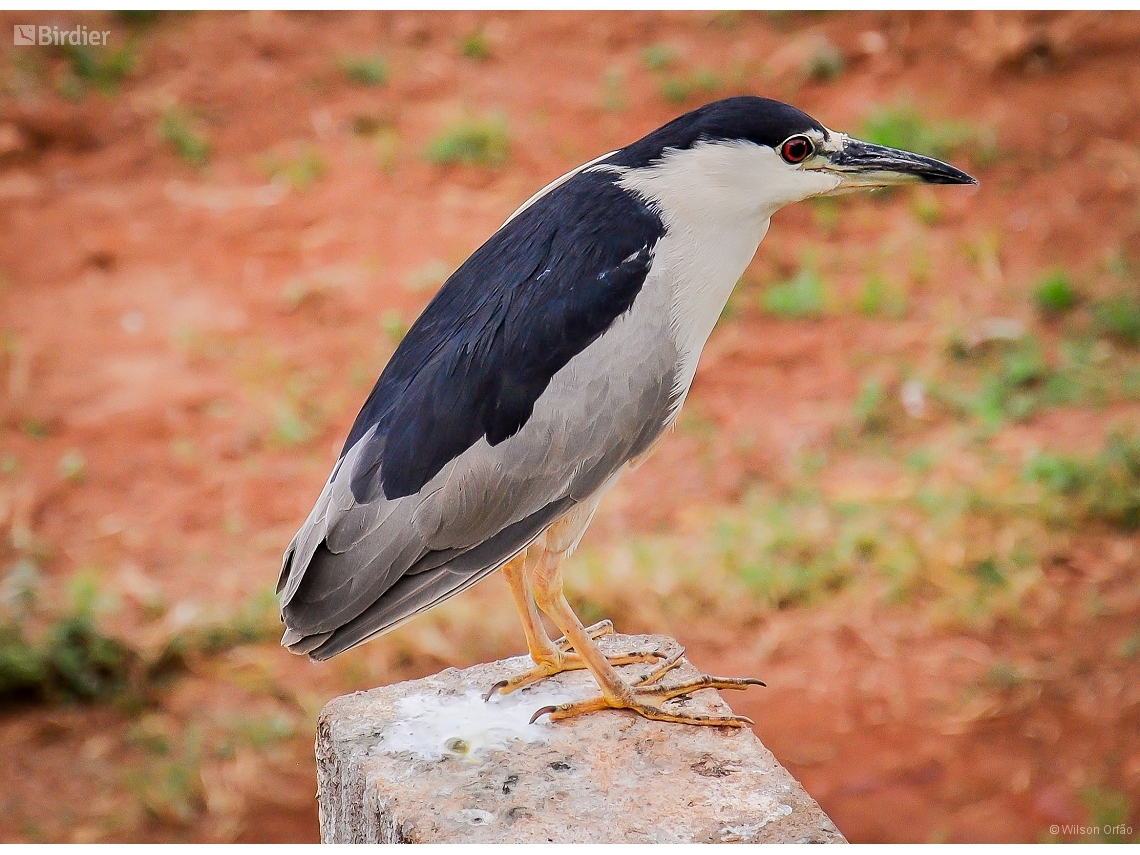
x=254 y=622
x=71 y=660
x=1091 y=372
x=184 y=136
x=1129 y=648
x=103 y=69
x=1119 y=318
x=677 y=89
x=998 y=382
x=1108 y=812
x=881 y=296
x=482 y=141
x=827 y=211
x=1103 y=488
x=902 y=126
x=169 y=788
x=802 y=296
x=1055 y=293
x=873 y=410
x=366 y=70
x=428 y=277
x=475 y=46
x=394 y=326
x=1005 y=676
x=675 y=85
x=967 y=553
x=139 y=17
x=658 y=56
x=927 y=207
x=300 y=168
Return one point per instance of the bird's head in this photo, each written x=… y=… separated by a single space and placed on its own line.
x=752 y=156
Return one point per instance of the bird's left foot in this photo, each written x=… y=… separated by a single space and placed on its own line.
x=646 y=698
x=564 y=659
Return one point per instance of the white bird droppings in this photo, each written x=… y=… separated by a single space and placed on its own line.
x=432 y=726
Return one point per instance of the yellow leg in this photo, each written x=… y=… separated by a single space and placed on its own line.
x=542 y=649
x=646 y=697
x=550 y=657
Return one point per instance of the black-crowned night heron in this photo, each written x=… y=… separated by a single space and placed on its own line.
x=548 y=364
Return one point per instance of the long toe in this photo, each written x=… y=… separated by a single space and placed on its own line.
x=595 y=631
x=649 y=700
x=565 y=662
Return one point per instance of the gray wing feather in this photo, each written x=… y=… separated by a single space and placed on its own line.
x=416 y=592
x=356 y=570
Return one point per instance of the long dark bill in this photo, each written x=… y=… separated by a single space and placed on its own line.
x=895 y=166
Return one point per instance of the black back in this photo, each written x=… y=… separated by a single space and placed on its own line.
x=538 y=292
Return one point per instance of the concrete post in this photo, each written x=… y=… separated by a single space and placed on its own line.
x=429 y=761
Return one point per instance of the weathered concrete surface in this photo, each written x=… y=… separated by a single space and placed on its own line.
x=429 y=761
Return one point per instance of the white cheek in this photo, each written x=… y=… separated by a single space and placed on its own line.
x=792 y=185
x=724 y=181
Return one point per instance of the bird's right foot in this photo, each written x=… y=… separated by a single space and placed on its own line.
x=564 y=659
x=647 y=697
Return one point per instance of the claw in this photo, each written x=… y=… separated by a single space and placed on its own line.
x=494 y=689
x=666 y=693
x=542 y=712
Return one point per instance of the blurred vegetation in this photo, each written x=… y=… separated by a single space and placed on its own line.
x=901 y=125
x=824 y=62
x=802 y=296
x=675 y=84
x=58 y=654
x=101 y=68
x=71 y=660
x=1008 y=375
x=476 y=141
x=658 y=56
x=300 y=166
x=678 y=88
x=1055 y=294
x=73 y=466
x=967 y=554
x=1102 y=488
x=394 y=326
x=882 y=296
x=371 y=70
x=1119 y=317
x=475 y=46
x=183 y=135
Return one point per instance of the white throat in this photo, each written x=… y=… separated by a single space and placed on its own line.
x=716 y=200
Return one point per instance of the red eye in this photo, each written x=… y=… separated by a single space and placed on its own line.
x=796 y=149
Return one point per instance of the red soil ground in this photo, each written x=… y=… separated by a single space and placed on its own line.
x=203 y=339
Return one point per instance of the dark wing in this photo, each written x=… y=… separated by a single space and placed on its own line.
x=385 y=541
x=541 y=290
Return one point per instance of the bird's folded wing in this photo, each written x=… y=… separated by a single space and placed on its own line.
x=464 y=451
